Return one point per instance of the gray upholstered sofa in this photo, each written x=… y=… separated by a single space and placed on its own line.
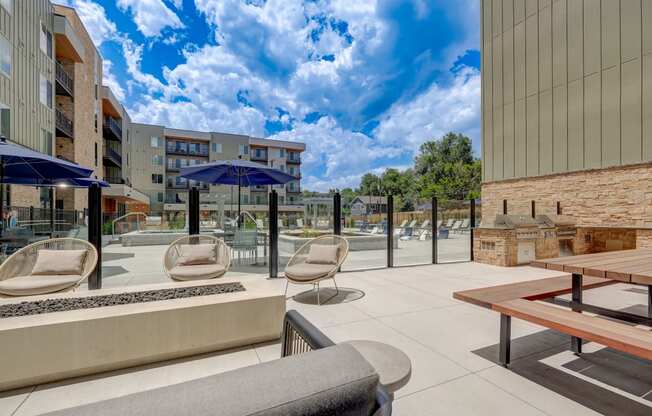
x=314 y=378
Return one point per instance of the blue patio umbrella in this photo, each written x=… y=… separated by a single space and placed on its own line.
x=236 y=172
x=20 y=164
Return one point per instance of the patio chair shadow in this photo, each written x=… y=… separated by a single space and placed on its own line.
x=329 y=296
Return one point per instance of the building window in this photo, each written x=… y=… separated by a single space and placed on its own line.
x=157 y=178
x=46 y=41
x=5 y=56
x=6 y=4
x=95 y=122
x=157 y=160
x=45 y=90
x=155 y=141
x=243 y=150
x=5 y=121
x=217 y=147
x=96 y=154
x=159 y=197
x=282 y=152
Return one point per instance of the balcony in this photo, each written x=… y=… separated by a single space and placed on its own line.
x=112 y=157
x=258 y=156
x=173 y=148
x=172 y=184
x=65 y=82
x=112 y=129
x=203 y=152
x=293 y=158
x=259 y=188
x=115 y=180
x=64 y=125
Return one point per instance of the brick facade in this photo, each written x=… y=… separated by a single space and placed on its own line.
x=619 y=196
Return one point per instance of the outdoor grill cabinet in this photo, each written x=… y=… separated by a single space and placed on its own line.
x=315 y=377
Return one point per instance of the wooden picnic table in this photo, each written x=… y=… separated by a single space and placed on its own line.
x=627 y=266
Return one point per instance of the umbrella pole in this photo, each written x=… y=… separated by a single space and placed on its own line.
x=239 y=198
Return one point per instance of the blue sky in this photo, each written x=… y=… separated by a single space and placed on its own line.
x=363 y=83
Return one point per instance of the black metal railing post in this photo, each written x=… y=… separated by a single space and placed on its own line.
x=273 y=234
x=193 y=211
x=390 y=231
x=472 y=225
x=435 y=230
x=51 y=198
x=337 y=214
x=95 y=232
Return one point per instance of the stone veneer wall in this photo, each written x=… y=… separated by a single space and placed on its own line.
x=619 y=196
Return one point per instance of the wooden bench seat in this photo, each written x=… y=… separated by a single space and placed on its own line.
x=519 y=300
x=616 y=335
x=531 y=290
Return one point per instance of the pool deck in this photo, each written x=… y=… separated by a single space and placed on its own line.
x=451 y=345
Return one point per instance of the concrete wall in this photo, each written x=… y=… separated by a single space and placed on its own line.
x=140 y=165
x=566 y=85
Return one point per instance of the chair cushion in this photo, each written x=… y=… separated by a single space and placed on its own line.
x=322 y=254
x=191 y=254
x=197 y=271
x=37 y=285
x=307 y=271
x=332 y=381
x=59 y=262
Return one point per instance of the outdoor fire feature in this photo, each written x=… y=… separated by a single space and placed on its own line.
x=49 y=347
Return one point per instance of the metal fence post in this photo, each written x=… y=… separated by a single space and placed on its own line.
x=95 y=232
x=435 y=230
x=337 y=214
x=472 y=226
x=51 y=196
x=390 y=231
x=193 y=211
x=273 y=234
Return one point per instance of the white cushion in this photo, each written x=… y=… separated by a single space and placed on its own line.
x=305 y=272
x=193 y=254
x=197 y=272
x=322 y=254
x=37 y=285
x=59 y=262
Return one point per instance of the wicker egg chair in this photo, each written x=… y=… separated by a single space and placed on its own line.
x=300 y=271
x=196 y=271
x=16 y=277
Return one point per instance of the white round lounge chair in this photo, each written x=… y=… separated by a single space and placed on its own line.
x=196 y=257
x=68 y=262
x=318 y=259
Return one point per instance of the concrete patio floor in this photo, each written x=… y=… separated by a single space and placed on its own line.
x=410 y=308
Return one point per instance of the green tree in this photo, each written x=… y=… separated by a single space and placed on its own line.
x=447 y=169
x=370 y=184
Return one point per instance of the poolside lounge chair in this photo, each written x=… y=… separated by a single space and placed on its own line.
x=47 y=266
x=398 y=230
x=456 y=227
x=465 y=225
x=318 y=259
x=439 y=223
x=196 y=257
x=450 y=223
x=299 y=223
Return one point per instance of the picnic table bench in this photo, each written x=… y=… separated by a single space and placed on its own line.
x=521 y=301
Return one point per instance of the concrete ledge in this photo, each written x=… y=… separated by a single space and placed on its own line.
x=44 y=348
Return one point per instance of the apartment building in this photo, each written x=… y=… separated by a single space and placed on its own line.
x=120 y=197
x=158 y=153
x=567 y=109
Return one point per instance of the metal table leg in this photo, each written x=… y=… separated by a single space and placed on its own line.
x=576 y=343
x=505 y=339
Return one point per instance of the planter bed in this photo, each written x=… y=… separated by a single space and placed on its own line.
x=47 y=347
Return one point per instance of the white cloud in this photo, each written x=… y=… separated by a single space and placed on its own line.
x=437 y=111
x=151 y=16
x=111 y=81
x=99 y=27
